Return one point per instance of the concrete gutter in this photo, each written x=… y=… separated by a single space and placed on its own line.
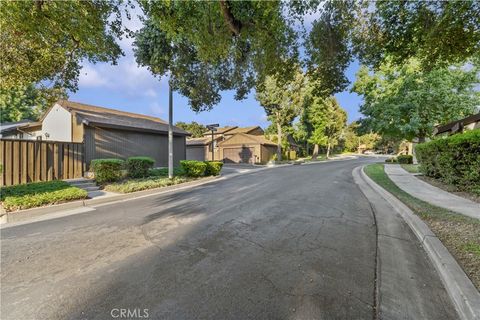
x=7 y=218
x=460 y=288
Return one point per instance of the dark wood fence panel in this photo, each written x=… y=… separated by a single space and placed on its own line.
x=24 y=161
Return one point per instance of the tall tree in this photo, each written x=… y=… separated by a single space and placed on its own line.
x=282 y=102
x=45 y=42
x=196 y=129
x=328 y=121
x=408 y=101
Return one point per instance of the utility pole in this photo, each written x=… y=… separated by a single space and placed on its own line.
x=213 y=128
x=170 y=130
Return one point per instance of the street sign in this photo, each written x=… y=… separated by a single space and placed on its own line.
x=213 y=127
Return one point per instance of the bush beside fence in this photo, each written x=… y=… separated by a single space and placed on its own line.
x=453 y=160
x=107 y=170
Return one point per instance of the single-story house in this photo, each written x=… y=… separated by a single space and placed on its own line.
x=232 y=145
x=468 y=123
x=108 y=133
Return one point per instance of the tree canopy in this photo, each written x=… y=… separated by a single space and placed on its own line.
x=45 y=42
x=437 y=33
x=21 y=103
x=407 y=101
x=207 y=47
x=196 y=129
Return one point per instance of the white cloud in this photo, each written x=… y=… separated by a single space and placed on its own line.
x=126 y=78
x=89 y=77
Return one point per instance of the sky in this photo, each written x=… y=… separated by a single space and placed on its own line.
x=128 y=87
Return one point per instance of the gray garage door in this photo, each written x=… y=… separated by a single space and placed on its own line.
x=196 y=153
x=238 y=155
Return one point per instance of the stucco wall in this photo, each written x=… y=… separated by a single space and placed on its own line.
x=57 y=125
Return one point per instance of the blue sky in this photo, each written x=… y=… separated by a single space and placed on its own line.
x=128 y=87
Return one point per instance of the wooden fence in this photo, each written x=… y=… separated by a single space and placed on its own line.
x=25 y=161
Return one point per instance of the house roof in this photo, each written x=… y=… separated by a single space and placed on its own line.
x=220 y=130
x=111 y=118
x=12 y=126
x=202 y=141
x=248 y=138
x=243 y=130
x=197 y=141
x=457 y=125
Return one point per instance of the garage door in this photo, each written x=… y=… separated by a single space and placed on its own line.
x=238 y=155
x=196 y=153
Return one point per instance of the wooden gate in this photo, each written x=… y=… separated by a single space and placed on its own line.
x=25 y=161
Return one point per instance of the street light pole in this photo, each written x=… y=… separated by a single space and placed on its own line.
x=170 y=130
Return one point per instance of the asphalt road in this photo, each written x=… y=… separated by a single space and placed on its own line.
x=297 y=242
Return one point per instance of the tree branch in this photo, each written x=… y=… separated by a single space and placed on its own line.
x=234 y=25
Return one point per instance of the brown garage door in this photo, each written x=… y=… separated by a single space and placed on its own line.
x=238 y=155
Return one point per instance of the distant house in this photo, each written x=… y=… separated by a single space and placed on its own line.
x=13 y=130
x=232 y=145
x=468 y=123
x=106 y=133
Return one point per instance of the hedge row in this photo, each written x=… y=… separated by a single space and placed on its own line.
x=194 y=168
x=110 y=170
x=454 y=160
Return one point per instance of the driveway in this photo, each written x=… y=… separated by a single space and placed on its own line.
x=296 y=242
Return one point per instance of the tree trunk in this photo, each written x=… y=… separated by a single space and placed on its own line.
x=279 y=145
x=315 y=152
x=328 y=150
x=234 y=25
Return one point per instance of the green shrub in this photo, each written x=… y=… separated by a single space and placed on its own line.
x=405 y=159
x=138 y=167
x=30 y=195
x=213 y=168
x=163 y=172
x=193 y=168
x=107 y=170
x=454 y=160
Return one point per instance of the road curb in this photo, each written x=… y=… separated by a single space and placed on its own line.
x=460 y=288
x=29 y=214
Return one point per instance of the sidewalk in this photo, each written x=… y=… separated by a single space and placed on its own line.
x=428 y=193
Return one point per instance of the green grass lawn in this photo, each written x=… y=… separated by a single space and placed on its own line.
x=460 y=234
x=412 y=168
x=30 y=195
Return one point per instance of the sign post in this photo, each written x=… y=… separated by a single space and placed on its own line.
x=213 y=128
